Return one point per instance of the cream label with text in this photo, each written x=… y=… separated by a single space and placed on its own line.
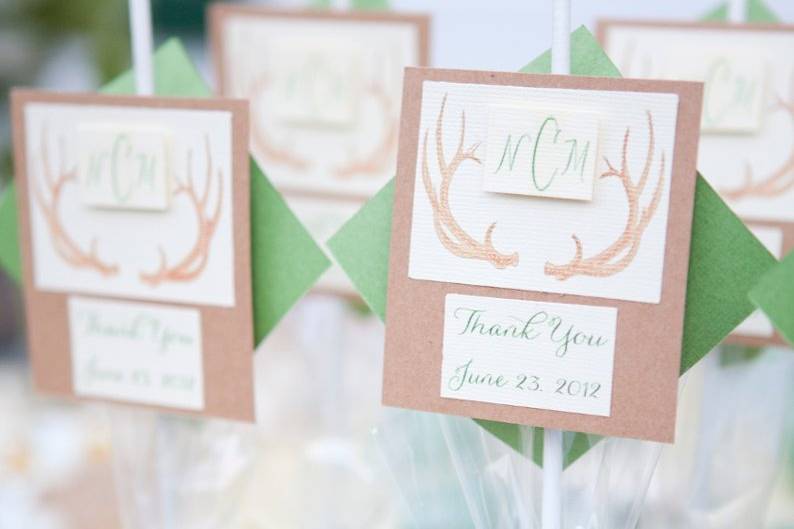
x=735 y=86
x=541 y=152
x=317 y=81
x=549 y=356
x=136 y=352
x=124 y=167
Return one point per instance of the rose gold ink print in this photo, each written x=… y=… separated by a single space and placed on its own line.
x=778 y=181
x=450 y=233
x=66 y=247
x=382 y=156
x=194 y=262
x=621 y=253
x=261 y=142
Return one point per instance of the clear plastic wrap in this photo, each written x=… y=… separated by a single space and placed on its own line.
x=449 y=469
x=729 y=445
x=318 y=397
x=179 y=472
x=719 y=474
x=316 y=459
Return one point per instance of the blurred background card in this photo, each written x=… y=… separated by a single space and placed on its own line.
x=324 y=90
x=747 y=140
x=135 y=227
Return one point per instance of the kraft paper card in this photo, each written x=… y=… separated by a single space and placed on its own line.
x=721 y=247
x=324 y=89
x=747 y=142
x=135 y=239
x=286 y=261
x=540 y=236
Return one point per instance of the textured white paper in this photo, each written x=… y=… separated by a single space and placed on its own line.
x=757 y=324
x=132 y=245
x=729 y=161
x=529 y=233
x=136 y=352
x=124 y=167
x=541 y=151
x=550 y=356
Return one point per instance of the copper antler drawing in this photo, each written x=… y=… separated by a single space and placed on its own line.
x=262 y=143
x=66 y=247
x=195 y=261
x=778 y=181
x=621 y=252
x=382 y=156
x=450 y=233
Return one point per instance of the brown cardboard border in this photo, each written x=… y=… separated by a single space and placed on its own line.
x=602 y=28
x=648 y=341
x=227 y=333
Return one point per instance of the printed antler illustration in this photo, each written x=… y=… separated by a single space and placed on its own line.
x=262 y=142
x=64 y=245
x=621 y=252
x=194 y=262
x=450 y=233
x=380 y=158
x=778 y=181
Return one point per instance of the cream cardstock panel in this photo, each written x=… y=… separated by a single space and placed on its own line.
x=133 y=250
x=124 y=167
x=753 y=62
x=463 y=234
x=325 y=97
x=551 y=356
x=541 y=152
x=136 y=352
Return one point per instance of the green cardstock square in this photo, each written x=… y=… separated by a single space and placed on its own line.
x=285 y=259
x=757 y=11
x=10 y=259
x=725 y=258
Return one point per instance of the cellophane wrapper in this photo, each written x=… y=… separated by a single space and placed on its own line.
x=730 y=444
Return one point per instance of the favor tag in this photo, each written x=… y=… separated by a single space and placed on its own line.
x=541 y=152
x=747 y=152
x=124 y=166
x=528 y=309
x=324 y=89
x=145 y=296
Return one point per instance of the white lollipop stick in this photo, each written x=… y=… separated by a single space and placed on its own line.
x=341 y=5
x=737 y=11
x=552 y=439
x=552 y=479
x=141 y=34
x=561 y=37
